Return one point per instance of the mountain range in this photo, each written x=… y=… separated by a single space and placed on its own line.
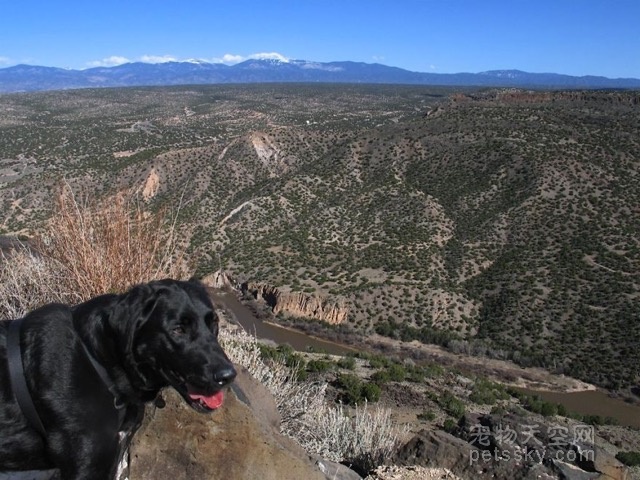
x=23 y=78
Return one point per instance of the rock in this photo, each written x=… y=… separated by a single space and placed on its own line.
x=239 y=441
x=436 y=449
x=220 y=280
x=605 y=464
x=151 y=185
x=336 y=471
x=571 y=472
x=300 y=304
x=389 y=472
x=512 y=447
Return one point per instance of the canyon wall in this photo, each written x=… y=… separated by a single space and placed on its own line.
x=299 y=304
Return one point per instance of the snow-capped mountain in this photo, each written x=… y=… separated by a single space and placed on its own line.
x=31 y=78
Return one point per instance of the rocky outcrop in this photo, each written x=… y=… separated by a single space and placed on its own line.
x=510 y=447
x=220 y=279
x=239 y=441
x=151 y=185
x=300 y=304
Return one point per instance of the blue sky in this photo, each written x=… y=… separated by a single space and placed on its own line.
x=576 y=37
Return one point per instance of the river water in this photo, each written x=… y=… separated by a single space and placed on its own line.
x=268 y=331
x=594 y=402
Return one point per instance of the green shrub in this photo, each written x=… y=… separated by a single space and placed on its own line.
x=427 y=415
x=397 y=372
x=288 y=356
x=451 y=405
x=319 y=366
x=371 y=392
x=487 y=393
x=354 y=391
x=630 y=459
x=380 y=377
x=348 y=363
x=449 y=425
x=378 y=361
x=351 y=387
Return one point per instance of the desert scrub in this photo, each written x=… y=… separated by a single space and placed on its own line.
x=363 y=436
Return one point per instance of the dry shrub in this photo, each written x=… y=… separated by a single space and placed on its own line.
x=364 y=437
x=89 y=249
x=111 y=245
x=27 y=281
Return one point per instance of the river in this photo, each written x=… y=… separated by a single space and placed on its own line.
x=269 y=331
x=592 y=402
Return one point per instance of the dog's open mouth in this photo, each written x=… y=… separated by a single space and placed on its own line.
x=203 y=402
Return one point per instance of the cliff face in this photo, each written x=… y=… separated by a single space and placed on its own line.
x=299 y=304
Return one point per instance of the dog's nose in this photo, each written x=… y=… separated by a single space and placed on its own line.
x=225 y=375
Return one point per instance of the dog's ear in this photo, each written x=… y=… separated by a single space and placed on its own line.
x=133 y=310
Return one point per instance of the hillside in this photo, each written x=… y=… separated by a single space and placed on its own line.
x=499 y=222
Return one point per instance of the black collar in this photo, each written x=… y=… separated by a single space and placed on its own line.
x=18 y=380
x=106 y=379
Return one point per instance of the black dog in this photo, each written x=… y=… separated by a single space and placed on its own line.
x=156 y=335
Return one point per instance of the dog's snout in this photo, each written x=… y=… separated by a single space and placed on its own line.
x=225 y=375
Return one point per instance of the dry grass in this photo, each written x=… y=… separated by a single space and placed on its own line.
x=111 y=245
x=365 y=436
x=89 y=249
x=28 y=281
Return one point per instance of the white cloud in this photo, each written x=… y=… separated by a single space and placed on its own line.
x=111 y=61
x=269 y=56
x=158 y=58
x=232 y=59
x=4 y=60
x=378 y=58
x=227 y=59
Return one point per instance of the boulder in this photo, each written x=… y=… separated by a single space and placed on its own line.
x=605 y=464
x=435 y=449
x=439 y=449
x=238 y=441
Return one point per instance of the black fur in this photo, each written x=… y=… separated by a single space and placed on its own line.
x=159 y=334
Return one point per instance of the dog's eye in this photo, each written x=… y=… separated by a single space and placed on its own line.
x=178 y=330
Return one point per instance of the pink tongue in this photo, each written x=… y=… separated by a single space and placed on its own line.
x=214 y=401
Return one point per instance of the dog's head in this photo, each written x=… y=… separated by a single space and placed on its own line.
x=174 y=341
